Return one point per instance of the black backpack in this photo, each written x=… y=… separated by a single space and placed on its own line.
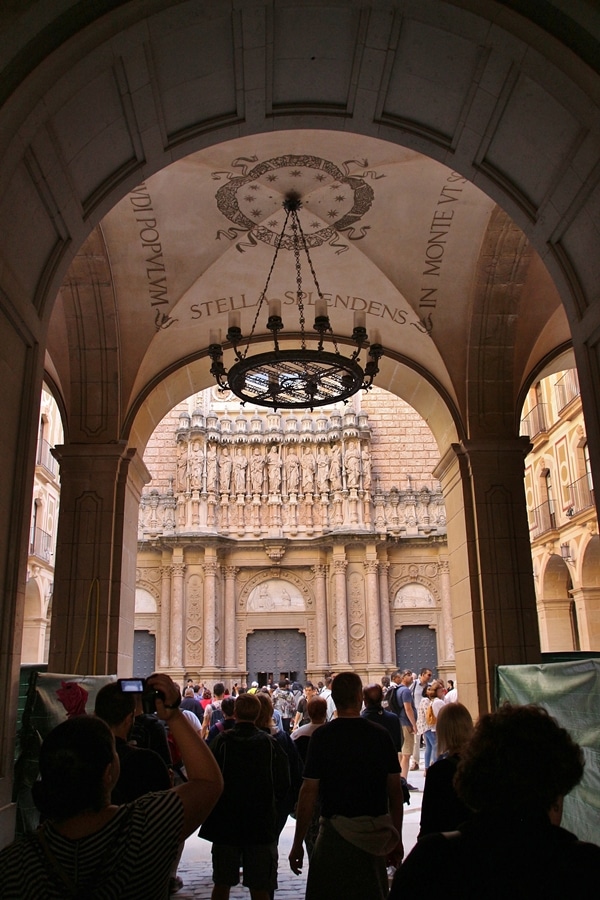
x=392 y=699
x=216 y=715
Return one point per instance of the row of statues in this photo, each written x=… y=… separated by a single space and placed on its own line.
x=290 y=471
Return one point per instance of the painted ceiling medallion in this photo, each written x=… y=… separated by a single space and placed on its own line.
x=333 y=200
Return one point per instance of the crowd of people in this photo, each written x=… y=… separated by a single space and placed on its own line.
x=121 y=790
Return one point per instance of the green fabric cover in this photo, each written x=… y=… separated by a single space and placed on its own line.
x=570 y=691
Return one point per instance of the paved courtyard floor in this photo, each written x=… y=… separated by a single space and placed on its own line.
x=195 y=867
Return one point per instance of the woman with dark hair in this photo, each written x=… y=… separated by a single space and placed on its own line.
x=88 y=847
x=442 y=809
x=514 y=775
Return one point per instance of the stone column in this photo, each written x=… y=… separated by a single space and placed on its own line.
x=177 y=615
x=322 y=653
x=387 y=651
x=444 y=575
x=211 y=569
x=556 y=630
x=230 y=616
x=493 y=598
x=165 y=616
x=587 y=606
x=93 y=604
x=373 y=620
x=340 y=565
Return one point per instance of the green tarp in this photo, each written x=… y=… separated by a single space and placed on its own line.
x=570 y=691
x=51 y=699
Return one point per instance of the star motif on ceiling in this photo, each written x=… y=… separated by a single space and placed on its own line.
x=236 y=200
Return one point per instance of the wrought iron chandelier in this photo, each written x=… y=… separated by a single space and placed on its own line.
x=299 y=378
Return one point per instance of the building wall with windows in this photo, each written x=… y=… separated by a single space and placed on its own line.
x=42 y=535
x=562 y=515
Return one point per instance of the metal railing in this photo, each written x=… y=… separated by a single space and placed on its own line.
x=535 y=422
x=581 y=494
x=40 y=544
x=541 y=519
x=566 y=389
x=44 y=457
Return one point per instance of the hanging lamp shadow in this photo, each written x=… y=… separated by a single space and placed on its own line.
x=299 y=378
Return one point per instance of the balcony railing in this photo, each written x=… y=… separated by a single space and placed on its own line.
x=40 y=544
x=581 y=493
x=541 y=519
x=44 y=457
x=566 y=389
x=535 y=422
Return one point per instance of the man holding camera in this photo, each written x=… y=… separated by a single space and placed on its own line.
x=142 y=771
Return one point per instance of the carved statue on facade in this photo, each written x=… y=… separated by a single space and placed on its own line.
x=211 y=468
x=352 y=463
x=274 y=470
x=335 y=468
x=240 y=464
x=225 y=466
x=182 y=462
x=257 y=465
x=366 y=468
x=322 y=471
x=308 y=470
x=196 y=465
x=292 y=472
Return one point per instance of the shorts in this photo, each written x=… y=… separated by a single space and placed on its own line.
x=258 y=861
x=408 y=740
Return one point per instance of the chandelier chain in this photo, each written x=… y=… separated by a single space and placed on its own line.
x=263 y=295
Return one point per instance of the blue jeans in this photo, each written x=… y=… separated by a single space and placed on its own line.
x=430 y=748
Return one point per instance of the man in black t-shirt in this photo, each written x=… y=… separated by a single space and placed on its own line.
x=352 y=768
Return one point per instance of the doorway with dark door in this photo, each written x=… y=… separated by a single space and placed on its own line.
x=274 y=653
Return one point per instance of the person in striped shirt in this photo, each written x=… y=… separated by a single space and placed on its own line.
x=88 y=847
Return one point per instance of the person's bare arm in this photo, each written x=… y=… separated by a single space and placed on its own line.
x=205 y=782
x=396 y=805
x=206 y=721
x=408 y=709
x=307 y=799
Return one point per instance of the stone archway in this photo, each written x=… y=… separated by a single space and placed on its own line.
x=95 y=103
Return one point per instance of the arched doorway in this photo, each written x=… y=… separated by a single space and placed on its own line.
x=273 y=654
x=511 y=108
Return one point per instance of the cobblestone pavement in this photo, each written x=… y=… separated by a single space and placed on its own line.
x=195 y=867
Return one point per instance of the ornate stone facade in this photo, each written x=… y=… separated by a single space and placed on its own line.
x=308 y=523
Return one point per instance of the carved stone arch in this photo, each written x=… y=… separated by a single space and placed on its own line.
x=281 y=574
x=150 y=588
x=422 y=580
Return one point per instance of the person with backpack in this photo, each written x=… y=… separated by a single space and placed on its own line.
x=212 y=711
x=400 y=701
x=284 y=703
x=426 y=721
x=225 y=723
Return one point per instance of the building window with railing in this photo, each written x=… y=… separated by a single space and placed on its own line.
x=566 y=389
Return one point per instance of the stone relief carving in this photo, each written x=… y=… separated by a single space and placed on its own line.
x=412 y=596
x=275 y=596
